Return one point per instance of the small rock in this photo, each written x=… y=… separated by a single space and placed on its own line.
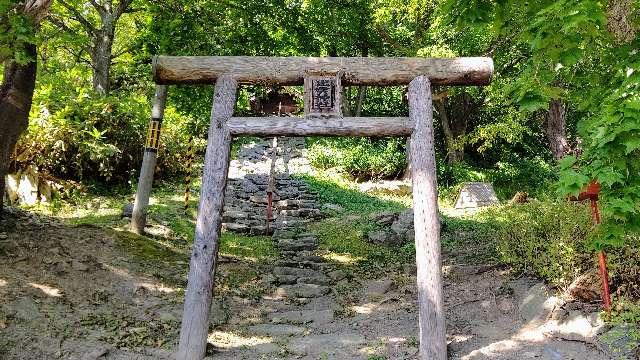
x=586 y=287
x=377 y=288
x=78 y=266
x=537 y=305
x=382 y=237
x=576 y=326
x=127 y=210
x=336 y=275
x=96 y=353
x=266 y=348
x=333 y=207
x=293 y=271
x=301 y=317
x=219 y=315
x=385 y=218
x=286 y=279
x=24 y=309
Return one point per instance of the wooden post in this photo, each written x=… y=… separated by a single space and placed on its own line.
x=139 y=215
x=195 y=318
x=433 y=345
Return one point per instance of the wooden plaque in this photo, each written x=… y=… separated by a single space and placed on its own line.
x=322 y=93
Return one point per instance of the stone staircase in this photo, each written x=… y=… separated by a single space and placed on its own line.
x=301 y=274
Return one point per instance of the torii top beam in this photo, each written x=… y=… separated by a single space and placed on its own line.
x=263 y=70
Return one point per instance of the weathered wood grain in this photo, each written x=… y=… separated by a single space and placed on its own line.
x=141 y=204
x=291 y=70
x=433 y=345
x=195 y=318
x=326 y=126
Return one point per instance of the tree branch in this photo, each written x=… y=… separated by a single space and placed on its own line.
x=78 y=17
x=60 y=24
x=99 y=8
x=122 y=7
x=384 y=34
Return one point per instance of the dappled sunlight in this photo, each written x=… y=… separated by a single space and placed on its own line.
x=534 y=334
x=382 y=346
x=118 y=271
x=3 y=283
x=348 y=259
x=364 y=309
x=493 y=349
x=48 y=290
x=159 y=287
x=230 y=340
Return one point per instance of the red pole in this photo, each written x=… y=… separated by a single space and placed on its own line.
x=269 y=210
x=602 y=261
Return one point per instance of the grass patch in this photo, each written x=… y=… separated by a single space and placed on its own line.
x=347 y=195
x=342 y=240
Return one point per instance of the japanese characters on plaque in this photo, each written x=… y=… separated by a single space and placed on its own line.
x=322 y=92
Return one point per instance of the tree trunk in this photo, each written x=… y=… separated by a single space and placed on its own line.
x=16 y=94
x=101 y=56
x=454 y=126
x=555 y=129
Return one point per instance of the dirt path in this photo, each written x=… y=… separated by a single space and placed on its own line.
x=79 y=293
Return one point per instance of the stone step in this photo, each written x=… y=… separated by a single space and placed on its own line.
x=295 y=262
x=294 y=271
x=295 y=245
x=317 y=280
x=303 y=290
x=286 y=279
x=302 y=256
x=301 y=317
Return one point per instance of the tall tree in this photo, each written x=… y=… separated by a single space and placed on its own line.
x=18 y=24
x=98 y=20
x=555 y=129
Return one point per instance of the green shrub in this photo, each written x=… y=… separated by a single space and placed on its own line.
x=363 y=158
x=552 y=240
x=79 y=135
x=547 y=239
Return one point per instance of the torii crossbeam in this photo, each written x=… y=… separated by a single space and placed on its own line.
x=322 y=79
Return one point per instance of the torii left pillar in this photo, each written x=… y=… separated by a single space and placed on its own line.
x=197 y=303
x=139 y=215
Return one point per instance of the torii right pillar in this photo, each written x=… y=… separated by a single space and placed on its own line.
x=433 y=341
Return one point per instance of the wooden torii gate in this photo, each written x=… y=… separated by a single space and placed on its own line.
x=322 y=79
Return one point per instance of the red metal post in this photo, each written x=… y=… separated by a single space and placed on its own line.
x=602 y=259
x=604 y=275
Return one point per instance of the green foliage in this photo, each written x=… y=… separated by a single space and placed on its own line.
x=16 y=30
x=363 y=158
x=612 y=157
x=533 y=176
x=96 y=137
x=553 y=240
x=544 y=238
